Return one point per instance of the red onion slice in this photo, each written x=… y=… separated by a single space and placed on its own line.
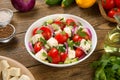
x=66 y=45
x=89 y=32
x=31 y=47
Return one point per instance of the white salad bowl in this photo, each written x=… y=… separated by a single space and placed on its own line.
x=40 y=21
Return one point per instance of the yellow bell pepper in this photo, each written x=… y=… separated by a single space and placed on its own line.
x=85 y=3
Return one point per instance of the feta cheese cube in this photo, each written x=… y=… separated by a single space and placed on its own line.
x=42 y=54
x=71 y=53
x=58 y=31
x=68 y=30
x=36 y=37
x=4 y=65
x=5 y=74
x=85 y=44
x=14 y=78
x=13 y=71
x=24 y=77
x=52 y=42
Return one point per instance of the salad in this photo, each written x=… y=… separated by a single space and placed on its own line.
x=60 y=41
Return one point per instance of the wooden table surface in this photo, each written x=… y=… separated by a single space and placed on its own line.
x=16 y=48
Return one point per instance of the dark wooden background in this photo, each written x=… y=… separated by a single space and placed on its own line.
x=16 y=48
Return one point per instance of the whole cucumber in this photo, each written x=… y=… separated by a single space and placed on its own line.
x=66 y=3
x=53 y=2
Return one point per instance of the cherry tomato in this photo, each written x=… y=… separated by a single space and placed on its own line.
x=46 y=32
x=60 y=23
x=56 y=59
x=61 y=37
x=37 y=47
x=77 y=38
x=63 y=56
x=70 y=22
x=108 y=4
x=113 y=11
x=53 y=52
x=117 y=2
x=34 y=31
x=79 y=52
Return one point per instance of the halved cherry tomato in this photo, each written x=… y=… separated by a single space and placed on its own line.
x=108 y=4
x=37 y=47
x=79 y=52
x=77 y=38
x=61 y=37
x=70 y=22
x=53 y=52
x=46 y=32
x=56 y=59
x=60 y=23
x=113 y=11
x=63 y=56
x=34 y=31
x=117 y=2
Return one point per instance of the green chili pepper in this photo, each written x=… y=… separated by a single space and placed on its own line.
x=53 y=2
x=66 y=3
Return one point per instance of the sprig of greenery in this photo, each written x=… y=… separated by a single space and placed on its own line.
x=107 y=68
x=81 y=33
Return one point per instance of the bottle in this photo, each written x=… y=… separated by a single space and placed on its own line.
x=112 y=40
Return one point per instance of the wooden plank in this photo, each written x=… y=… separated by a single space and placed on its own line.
x=81 y=71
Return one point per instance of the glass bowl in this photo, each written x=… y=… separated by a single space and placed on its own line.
x=7 y=39
x=5 y=16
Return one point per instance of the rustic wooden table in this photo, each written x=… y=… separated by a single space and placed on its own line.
x=16 y=48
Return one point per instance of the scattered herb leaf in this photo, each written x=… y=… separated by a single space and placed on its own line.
x=44 y=54
x=43 y=41
x=39 y=31
x=61 y=48
x=70 y=43
x=50 y=58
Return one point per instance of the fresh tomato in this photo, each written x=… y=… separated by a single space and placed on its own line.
x=117 y=2
x=63 y=56
x=77 y=38
x=46 y=32
x=34 y=31
x=53 y=52
x=113 y=11
x=37 y=47
x=79 y=52
x=56 y=59
x=61 y=37
x=108 y=4
x=60 y=23
x=70 y=22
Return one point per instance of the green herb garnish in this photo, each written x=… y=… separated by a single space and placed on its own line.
x=50 y=58
x=43 y=41
x=107 y=68
x=61 y=48
x=39 y=31
x=44 y=54
x=81 y=33
x=70 y=43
